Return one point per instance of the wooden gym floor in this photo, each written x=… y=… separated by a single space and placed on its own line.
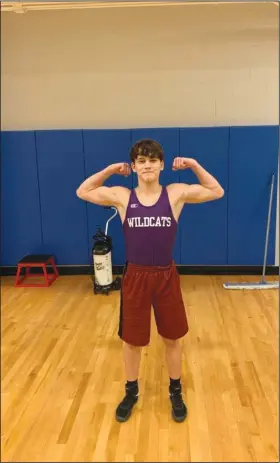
x=62 y=377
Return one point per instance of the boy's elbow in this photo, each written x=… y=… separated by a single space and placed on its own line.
x=79 y=193
x=219 y=193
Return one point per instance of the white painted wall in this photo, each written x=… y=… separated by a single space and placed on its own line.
x=168 y=66
x=139 y=67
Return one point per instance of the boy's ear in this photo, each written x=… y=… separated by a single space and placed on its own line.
x=162 y=165
x=133 y=167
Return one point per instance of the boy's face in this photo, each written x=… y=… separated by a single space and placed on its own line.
x=147 y=168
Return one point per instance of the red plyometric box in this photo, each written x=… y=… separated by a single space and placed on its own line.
x=36 y=260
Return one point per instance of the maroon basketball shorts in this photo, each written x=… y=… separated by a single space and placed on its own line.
x=147 y=287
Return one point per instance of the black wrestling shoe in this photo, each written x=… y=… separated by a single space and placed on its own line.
x=124 y=409
x=179 y=409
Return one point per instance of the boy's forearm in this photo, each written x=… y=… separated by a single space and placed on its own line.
x=206 y=180
x=96 y=180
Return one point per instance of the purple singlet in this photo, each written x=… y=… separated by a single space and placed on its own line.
x=149 y=231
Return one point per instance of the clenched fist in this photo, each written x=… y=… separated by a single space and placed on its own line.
x=183 y=163
x=121 y=168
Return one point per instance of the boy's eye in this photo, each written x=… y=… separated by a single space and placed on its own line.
x=142 y=161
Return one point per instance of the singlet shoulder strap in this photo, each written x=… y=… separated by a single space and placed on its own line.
x=133 y=197
x=165 y=195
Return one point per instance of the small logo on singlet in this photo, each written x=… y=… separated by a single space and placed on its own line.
x=133 y=206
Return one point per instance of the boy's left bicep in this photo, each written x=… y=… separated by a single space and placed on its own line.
x=196 y=193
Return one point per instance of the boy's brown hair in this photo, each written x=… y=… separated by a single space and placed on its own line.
x=148 y=148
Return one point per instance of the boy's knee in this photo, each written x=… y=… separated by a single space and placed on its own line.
x=130 y=347
x=171 y=343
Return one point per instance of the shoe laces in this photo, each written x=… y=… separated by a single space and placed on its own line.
x=177 y=399
x=128 y=399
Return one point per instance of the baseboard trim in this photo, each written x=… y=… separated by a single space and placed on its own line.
x=182 y=269
x=226 y=270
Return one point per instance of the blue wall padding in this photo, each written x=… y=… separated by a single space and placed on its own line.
x=61 y=170
x=21 y=220
x=204 y=226
x=102 y=148
x=253 y=158
x=169 y=139
x=41 y=171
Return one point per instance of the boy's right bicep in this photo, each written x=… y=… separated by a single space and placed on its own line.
x=102 y=196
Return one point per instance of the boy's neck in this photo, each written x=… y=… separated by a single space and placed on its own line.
x=148 y=188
